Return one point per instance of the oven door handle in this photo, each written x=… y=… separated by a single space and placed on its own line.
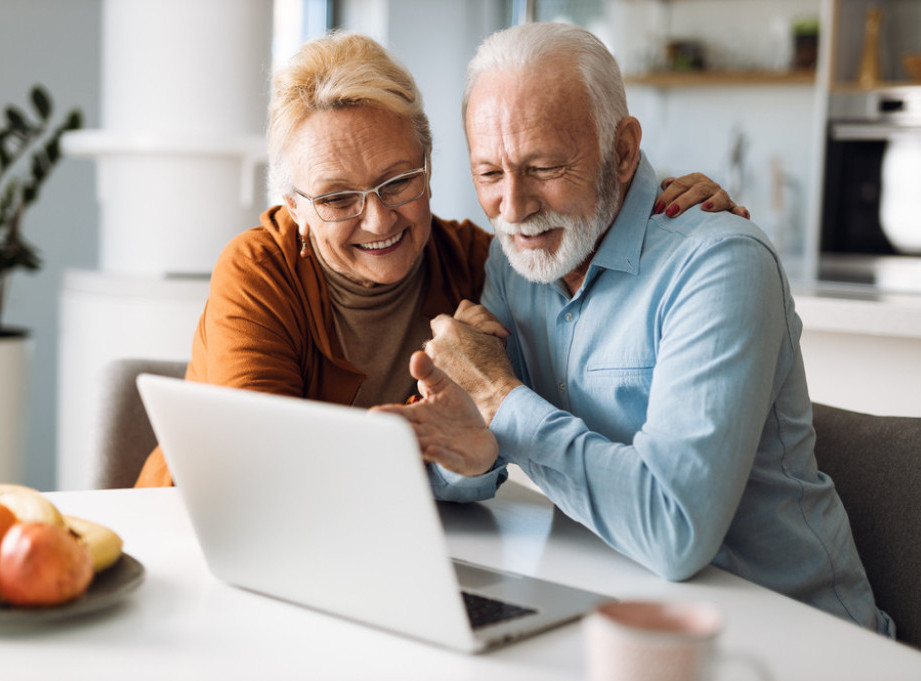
x=861 y=132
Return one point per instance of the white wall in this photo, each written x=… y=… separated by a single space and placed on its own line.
x=56 y=43
x=694 y=128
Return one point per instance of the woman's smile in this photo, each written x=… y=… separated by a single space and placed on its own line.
x=383 y=247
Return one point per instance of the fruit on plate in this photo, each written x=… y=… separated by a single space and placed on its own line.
x=104 y=545
x=28 y=505
x=48 y=559
x=42 y=564
x=7 y=518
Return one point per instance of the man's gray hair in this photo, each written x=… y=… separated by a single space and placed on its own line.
x=525 y=46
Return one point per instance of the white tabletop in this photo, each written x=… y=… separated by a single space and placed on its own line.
x=182 y=623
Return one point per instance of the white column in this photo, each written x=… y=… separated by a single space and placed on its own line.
x=179 y=159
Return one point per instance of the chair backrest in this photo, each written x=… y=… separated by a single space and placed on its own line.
x=875 y=462
x=125 y=435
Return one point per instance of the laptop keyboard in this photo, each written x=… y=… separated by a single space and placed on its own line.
x=484 y=611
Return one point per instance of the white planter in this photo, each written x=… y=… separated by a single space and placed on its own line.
x=15 y=359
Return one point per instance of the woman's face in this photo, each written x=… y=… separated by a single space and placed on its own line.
x=359 y=148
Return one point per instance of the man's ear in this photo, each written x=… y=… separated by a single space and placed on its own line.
x=627 y=147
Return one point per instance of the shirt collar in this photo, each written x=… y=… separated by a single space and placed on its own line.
x=621 y=247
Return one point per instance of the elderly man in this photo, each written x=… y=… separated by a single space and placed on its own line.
x=653 y=384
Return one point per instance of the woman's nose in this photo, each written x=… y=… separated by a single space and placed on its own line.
x=377 y=218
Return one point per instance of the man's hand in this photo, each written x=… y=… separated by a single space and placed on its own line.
x=480 y=319
x=470 y=349
x=689 y=190
x=447 y=424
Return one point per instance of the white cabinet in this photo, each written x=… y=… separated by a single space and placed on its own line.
x=863 y=352
x=104 y=317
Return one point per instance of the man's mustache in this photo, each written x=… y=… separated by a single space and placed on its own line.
x=533 y=226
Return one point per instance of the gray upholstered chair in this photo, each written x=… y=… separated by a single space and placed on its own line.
x=875 y=462
x=126 y=437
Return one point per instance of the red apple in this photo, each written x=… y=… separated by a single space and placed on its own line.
x=42 y=564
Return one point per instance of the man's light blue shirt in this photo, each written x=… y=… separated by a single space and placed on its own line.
x=665 y=407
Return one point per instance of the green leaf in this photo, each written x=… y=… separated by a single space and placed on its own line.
x=17 y=121
x=39 y=167
x=53 y=150
x=6 y=159
x=74 y=120
x=42 y=101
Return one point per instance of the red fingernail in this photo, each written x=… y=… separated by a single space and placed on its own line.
x=659 y=207
x=672 y=210
x=708 y=205
x=747 y=214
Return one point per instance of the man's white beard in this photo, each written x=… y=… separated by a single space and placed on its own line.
x=576 y=245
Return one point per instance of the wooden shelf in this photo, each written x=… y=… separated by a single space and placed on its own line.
x=681 y=79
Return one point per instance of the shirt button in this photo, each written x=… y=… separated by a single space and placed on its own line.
x=562 y=387
x=569 y=316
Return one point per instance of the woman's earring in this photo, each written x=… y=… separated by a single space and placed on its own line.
x=304 y=251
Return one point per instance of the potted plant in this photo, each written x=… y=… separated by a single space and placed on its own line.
x=30 y=144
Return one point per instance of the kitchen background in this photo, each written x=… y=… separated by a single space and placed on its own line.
x=726 y=87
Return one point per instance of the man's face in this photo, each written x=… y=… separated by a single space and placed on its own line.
x=537 y=168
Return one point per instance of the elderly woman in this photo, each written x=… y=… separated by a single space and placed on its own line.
x=328 y=298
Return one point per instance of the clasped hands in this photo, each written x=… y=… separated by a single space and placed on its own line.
x=463 y=375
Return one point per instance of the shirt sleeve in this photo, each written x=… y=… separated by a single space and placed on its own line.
x=495 y=300
x=450 y=486
x=667 y=498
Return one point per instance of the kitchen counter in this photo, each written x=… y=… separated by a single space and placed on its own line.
x=861 y=346
x=858 y=309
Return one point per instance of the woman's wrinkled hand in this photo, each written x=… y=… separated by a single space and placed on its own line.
x=450 y=430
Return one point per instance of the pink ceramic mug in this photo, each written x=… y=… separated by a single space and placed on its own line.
x=651 y=641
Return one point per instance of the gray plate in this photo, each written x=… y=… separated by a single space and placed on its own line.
x=107 y=588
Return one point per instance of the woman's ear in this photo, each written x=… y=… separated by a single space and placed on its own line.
x=291 y=205
x=627 y=148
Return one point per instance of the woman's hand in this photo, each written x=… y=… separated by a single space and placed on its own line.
x=681 y=193
x=447 y=423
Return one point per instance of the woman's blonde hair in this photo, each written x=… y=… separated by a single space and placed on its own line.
x=340 y=70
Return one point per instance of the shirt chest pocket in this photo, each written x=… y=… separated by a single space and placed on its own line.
x=621 y=386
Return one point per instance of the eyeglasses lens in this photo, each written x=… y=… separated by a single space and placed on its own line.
x=396 y=192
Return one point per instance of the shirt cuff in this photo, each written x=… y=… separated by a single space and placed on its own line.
x=450 y=486
x=516 y=424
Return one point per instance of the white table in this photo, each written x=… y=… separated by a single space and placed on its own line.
x=184 y=624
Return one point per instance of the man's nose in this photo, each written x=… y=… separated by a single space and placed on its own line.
x=518 y=202
x=377 y=218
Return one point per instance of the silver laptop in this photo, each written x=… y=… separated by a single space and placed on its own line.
x=330 y=507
